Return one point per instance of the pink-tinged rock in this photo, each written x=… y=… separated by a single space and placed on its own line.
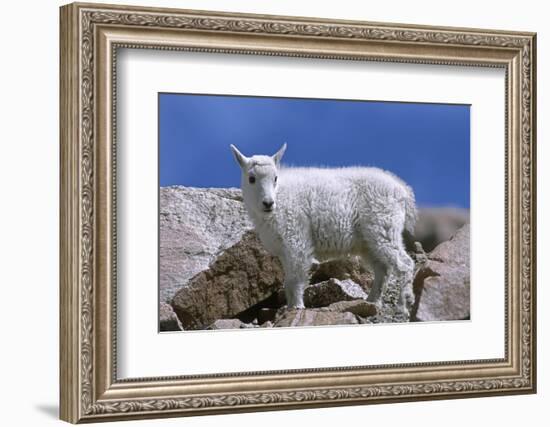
x=442 y=283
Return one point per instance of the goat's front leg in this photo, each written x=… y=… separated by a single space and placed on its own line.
x=296 y=270
x=294 y=292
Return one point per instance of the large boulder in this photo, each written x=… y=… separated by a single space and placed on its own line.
x=242 y=277
x=196 y=226
x=437 y=225
x=442 y=282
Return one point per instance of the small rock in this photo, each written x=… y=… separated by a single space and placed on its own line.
x=342 y=269
x=227 y=324
x=332 y=290
x=267 y=324
x=168 y=319
x=314 y=317
x=358 y=307
x=419 y=255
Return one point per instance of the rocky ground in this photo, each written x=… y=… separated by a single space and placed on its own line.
x=215 y=274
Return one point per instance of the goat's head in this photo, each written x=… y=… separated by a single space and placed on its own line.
x=259 y=180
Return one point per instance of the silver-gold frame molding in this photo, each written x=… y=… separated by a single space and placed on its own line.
x=90 y=36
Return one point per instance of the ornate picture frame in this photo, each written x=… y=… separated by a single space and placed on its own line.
x=90 y=37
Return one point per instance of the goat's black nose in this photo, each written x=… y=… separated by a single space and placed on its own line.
x=268 y=205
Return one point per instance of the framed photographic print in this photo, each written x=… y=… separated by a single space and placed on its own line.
x=267 y=212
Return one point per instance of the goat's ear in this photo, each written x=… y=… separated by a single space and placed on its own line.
x=242 y=160
x=279 y=154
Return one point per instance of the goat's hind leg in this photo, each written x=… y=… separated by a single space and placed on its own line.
x=380 y=281
x=406 y=298
x=391 y=262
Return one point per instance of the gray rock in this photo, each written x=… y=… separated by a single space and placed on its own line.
x=226 y=324
x=196 y=226
x=442 y=283
x=332 y=290
x=314 y=317
x=168 y=319
x=437 y=225
x=231 y=324
x=243 y=276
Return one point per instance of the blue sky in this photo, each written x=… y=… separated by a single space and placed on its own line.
x=427 y=145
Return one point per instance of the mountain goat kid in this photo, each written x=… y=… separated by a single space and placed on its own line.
x=303 y=214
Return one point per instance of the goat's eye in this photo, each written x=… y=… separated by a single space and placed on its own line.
x=275 y=179
x=252 y=179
